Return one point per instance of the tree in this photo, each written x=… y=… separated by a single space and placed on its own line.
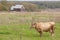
x=4 y=4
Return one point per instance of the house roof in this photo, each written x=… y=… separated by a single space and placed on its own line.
x=16 y=6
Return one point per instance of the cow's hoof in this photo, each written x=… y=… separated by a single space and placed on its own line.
x=52 y=35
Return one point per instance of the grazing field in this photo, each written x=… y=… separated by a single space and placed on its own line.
x=16 y=25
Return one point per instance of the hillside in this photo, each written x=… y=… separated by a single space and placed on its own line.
x=30 y=6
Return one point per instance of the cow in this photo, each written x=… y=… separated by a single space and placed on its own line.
x=44 y=27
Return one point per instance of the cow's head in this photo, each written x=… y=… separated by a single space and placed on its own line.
x=33 y=25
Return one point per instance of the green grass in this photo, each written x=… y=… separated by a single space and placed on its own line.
x=16 y=27
x=22 y=32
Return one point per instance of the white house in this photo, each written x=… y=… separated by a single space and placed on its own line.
x=17 y=8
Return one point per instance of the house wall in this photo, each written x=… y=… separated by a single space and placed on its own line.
x=17 y=8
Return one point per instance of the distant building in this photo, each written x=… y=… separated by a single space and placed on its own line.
x=17 y=8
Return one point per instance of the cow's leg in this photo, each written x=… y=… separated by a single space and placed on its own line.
x=40 y=33
x=52 y=30
x=52 y=33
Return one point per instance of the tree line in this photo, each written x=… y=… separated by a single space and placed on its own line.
x=30 y=6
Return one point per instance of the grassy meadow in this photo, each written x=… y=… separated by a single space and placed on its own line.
x=16 y=25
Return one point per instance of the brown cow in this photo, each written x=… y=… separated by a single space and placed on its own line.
x=44 y=27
